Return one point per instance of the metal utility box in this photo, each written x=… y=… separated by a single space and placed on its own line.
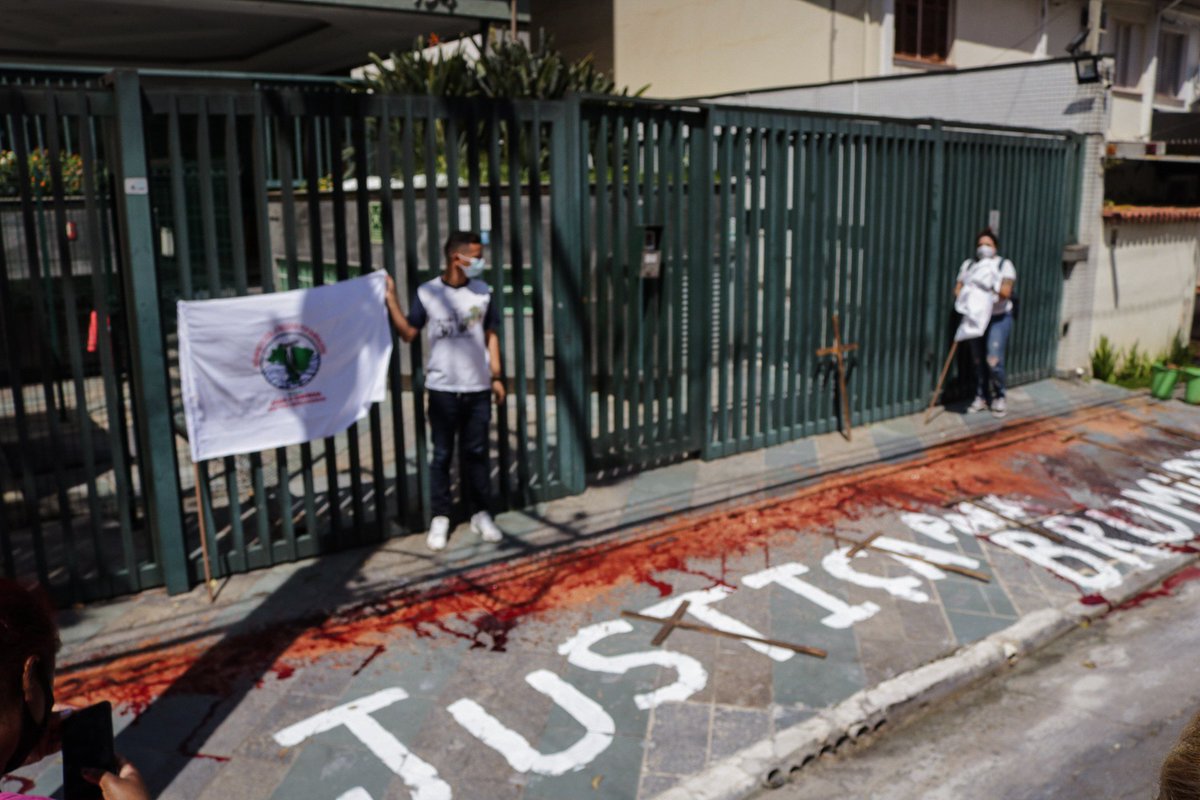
x=651 y=267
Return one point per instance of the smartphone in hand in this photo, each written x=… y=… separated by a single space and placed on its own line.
x=87 y=743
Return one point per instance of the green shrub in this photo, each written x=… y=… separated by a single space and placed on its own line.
x=1104 y=361
x=1134 y=372
x=1133 y=368
x=506 y=68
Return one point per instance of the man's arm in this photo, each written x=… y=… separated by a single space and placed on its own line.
x=1006 y=289
x=957 y=289
x=491 y=323
x=493 y=346
x=400 y=322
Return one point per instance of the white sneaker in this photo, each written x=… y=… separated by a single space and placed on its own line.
x=439 y=532
x=483 y=524
x=999 y=409
x=979 y=405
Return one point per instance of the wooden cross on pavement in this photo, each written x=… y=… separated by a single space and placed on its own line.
x=676 y=621
x=838 y=350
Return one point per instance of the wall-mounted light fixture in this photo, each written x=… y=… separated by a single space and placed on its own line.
x=1087 y=68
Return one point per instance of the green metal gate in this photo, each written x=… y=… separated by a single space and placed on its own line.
x=645 y=169
x=772 y=223
x=134 y=193
x=329 y=185
x=75 y=487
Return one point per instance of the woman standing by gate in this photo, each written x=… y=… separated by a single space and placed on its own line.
x=990 y=276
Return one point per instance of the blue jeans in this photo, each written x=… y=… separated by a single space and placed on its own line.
x=465 y=416
x=987 y=356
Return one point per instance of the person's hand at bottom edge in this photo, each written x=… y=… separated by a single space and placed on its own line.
x=127 y=784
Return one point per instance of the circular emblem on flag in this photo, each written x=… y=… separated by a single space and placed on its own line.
x=289 y=360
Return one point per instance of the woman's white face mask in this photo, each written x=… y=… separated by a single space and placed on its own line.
x=985 y=251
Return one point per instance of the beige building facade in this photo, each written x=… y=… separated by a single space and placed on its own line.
x=703 y=48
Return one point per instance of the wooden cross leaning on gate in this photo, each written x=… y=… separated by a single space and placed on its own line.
x=838 y=350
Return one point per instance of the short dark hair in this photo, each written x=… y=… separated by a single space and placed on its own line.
x=26 y=629
x=460 y=239
x=991 y=234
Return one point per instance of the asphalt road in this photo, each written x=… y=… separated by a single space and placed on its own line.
x=1089 y=718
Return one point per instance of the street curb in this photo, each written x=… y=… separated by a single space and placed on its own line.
x=772 y=762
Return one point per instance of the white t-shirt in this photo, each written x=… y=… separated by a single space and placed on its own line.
x=457 y=318
x=989 y=273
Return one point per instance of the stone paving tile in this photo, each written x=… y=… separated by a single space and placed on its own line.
x=804 y=680
x=741 y=681
x=190 y=777
x=654 y=784
x=973 y=627
x=963 y=594
x=678 y=741
x=291 y=708
x=609 y=776
x=337 y=762
x=736 y=728
x=250 y=773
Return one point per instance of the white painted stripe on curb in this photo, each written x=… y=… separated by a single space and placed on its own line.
x=746 y=771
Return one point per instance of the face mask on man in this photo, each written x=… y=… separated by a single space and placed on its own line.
x=474 y=268
x=32 y=732
x=985 y=251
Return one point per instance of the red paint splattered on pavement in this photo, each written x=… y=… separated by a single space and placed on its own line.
x=1166 y=590
x=1093 y=600
x=485 y=604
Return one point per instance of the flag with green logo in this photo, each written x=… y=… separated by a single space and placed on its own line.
x=272 y=370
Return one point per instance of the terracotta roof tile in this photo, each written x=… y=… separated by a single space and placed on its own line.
x=1151 y=214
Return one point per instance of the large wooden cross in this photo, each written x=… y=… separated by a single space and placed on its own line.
x=838 y=350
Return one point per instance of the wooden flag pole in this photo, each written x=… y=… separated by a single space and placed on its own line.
x=941 y=379
x=208 y=578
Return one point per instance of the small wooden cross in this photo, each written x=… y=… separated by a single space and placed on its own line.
x=838 y=350
x=676 y=621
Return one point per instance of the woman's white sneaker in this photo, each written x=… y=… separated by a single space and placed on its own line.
x=979 y=405
x=999 y=409
x=439 y=533
x=483 y=524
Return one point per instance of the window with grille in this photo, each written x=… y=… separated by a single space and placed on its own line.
x=1171 y=50
x=923 y=29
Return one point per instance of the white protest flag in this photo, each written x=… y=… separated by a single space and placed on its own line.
x=273 y=370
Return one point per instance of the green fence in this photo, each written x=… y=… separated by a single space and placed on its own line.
x=868 y=220
x=668 y=274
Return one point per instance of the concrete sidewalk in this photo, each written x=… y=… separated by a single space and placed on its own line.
x=510 y=672
x=622 y=506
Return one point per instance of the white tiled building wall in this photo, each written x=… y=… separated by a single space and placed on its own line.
x=1039 y=94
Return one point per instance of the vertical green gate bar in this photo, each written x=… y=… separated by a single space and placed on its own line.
x=156 y=446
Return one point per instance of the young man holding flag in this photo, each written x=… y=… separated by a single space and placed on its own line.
x=462 y=376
